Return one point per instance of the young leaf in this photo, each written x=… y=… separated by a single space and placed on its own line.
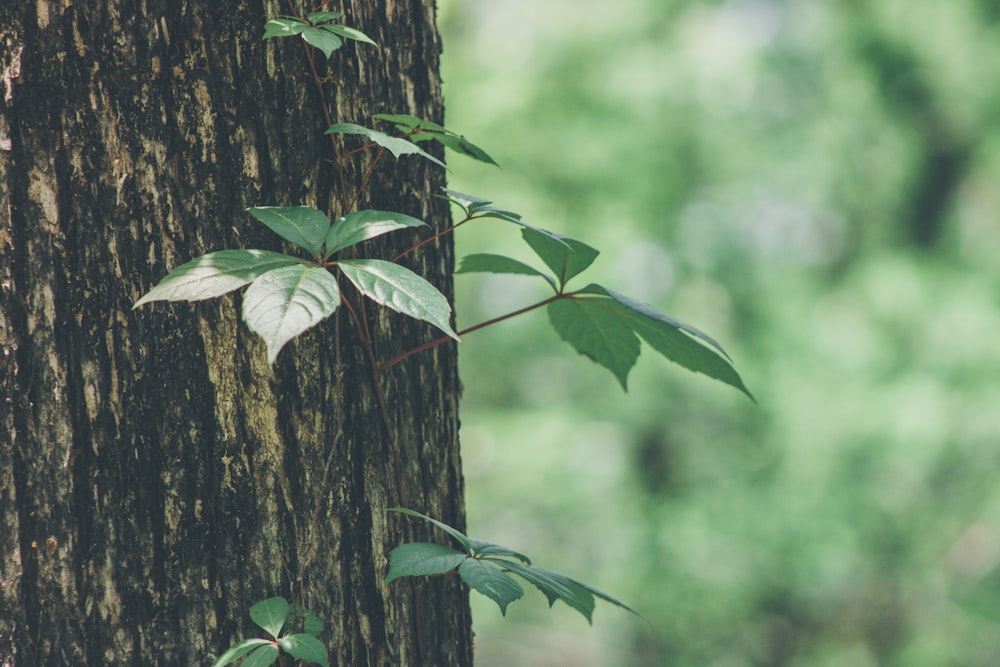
x=215 y=274
x=416 y=559
x=490 y=263
x=304 y=226
x=597 y=331
x=283 y=303
x=565 y=256
x=400 y=289
x=491 y=582
x=285 y=26
x=270 y=614
x=394 y=145
x=555 y=587
x=237 y=651
x=324 y=40
x=363 y=225
x=675 y=340
x=348 y=33
x=305 y=647
x=321 y=17
x=486 y=549
x=265 y=656
x=458 y=535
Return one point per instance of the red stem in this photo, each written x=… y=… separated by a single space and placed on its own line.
x=432 y=238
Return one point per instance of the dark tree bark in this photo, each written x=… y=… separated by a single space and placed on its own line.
x=156 y=475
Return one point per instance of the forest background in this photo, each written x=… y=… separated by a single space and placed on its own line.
x=815 y=183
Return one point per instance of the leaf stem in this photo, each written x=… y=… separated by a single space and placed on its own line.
x=475 y=327
x=364 y=181
x=447 y=230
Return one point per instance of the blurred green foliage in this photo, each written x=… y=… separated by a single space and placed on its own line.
x=815 y=184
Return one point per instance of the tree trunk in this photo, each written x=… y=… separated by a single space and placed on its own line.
x=157 y=477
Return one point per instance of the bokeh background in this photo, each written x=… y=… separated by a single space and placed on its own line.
x=817 y=185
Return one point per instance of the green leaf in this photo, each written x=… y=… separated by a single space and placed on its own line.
x=305 y=647
x=237 y=651
x=556 y=586
x=270 y=614
x=400 y=289
x=404 y=122
x=324 y=40
x=464 y=200
x=321 y=17
x=461 y=145
x=265 y=656
x=310 y=622
x=509 y=216
x=394 y=145
x=417 y=559
x=363 y=225
x=429 y=131
x=304 y=226
x=491 y=582
x=565 y=256
x=596 y=330
x=490 y=263
x=215 y=274
x=458 y=535
x=283 y=27
x=349 y=33
x=484 y=548
x=283 y=303
x=679 y=342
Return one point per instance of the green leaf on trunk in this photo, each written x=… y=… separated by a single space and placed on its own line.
x=284 y=26
x=238 y=650
x=321 y=17
x=565 y=256
x=458 y=535
x=304 y=226
x=283 y=303
x=305 y=647
x=271 y=614
x=426 y=130
x=679 y=342
x=348 y=33
x=363 y=225
x=596 y=330
x=491 y=582
x=394 y=145
x=400 y=289
x=310 y=622
x=265 y=656
x=416 y=559
x=215 y=274
x=324 y=40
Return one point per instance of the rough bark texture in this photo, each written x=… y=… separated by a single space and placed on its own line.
x=156 y=476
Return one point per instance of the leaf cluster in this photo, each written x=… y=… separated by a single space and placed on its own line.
x=317 y=29
x=300 y=639
x=488 y=568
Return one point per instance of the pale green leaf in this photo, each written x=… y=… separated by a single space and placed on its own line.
x=324 y=40
x=265 y=656
x=461 y=145
x=281 y=304
x=464 y=200
x=458 y=535
x=490 y=263
x=400 y=289
x=215 y=274
x=348 y=33
x=271 y=614
x=491 y=582
x=565 y=256
x=417 y=559
x=596 y=330
x=238 y=650
x=363 y=225
x=321 y=17
x=285 y=26
x=305 y=647
x=395 y=145
x=304 y=226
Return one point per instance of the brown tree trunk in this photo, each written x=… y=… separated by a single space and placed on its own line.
x=156 y=476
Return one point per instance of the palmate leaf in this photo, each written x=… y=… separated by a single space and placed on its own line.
x=429 y=131
x=284 y=26
x=238 y=650
x=400 y=289
x=394 y=145
x=363 y=225
x=271 y=614
x=565 y=256
x=215 y=274
x=305 y=647
x=416 y=559
x=679 y=342
x=283 y=303
x=458 y=535
x=304 y=226
x=598 y=332
x=490 y=581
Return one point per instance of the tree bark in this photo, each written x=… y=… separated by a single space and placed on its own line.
x=157 y=477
